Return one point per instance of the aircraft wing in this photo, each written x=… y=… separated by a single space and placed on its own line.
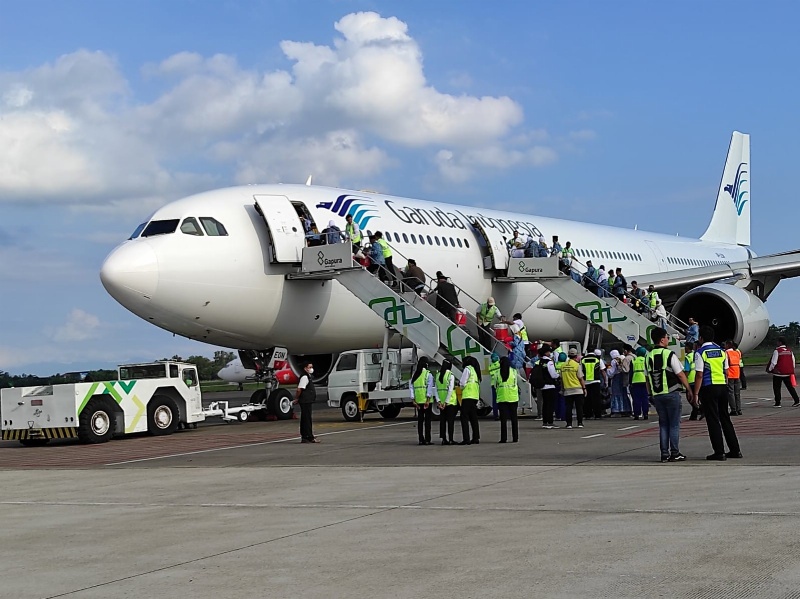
x=759 y=275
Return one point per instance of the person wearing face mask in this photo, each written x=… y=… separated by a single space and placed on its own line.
x=305 y=396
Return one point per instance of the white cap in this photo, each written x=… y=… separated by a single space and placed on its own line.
x=614 y=354
x=598 y=353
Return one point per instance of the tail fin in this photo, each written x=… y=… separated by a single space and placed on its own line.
x=730 y=222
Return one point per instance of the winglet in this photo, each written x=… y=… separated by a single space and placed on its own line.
x=730 y=222
x=308 y=181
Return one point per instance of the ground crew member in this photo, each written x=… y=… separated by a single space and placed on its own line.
x=353 y=232
x=574 y=387
x=521 y=331
x=782 y=366
x=594 y=370
x=641 y=399
x=422 y=391
x=387 y=257
x=710 y=384
x=508 y=400
x=664 y=379
x=689 y=371
x=494 y=377
x=305 y=396
x=549 y=391
x=485 y=314
x=652 y=298
x=448 y=402
x=734 y=383
x=470 y=394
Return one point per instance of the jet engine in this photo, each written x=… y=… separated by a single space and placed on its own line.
x=732 y=312
x=323 y=363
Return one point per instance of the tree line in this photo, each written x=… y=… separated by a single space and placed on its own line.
x=207 y=369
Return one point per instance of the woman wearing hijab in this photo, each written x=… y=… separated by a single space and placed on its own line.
x=471 y=393
x=508 y=400
x=422 y=390
x=448 y=402
x=617 y=388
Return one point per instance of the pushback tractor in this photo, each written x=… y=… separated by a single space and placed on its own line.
x=157 y=397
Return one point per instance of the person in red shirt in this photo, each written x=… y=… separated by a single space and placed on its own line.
x=782 y=368
x=734 y=374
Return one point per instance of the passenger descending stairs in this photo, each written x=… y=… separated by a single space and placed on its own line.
x=407 y=313
x=609 y=313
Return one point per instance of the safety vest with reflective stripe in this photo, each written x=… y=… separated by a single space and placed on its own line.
x=472 y=390
x=523 y=333
x=591 y=368
x=350 y=229
x=691 y=373
x=443 y=386
x=421 y=387
x=734 y=361
x=507 y=390
x=486 y=314
x=569 y=375
x=652 y=298
x=662 y=380
x=638 y=365
x=494 y=373
x=713 y=365
x=385 y=249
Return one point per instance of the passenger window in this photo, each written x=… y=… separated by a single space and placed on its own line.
x=190 y=227
x=444 y=241
x=452 y=242
x=160 y=227
x=138 y=231
x=405 y=237
x=413 y=238
x=213 y=227
x=430 y=241
x=466 y=243
x=422 y=240
x=459 y=242
x=173 y=371
x=347 y=362
x=437 y=240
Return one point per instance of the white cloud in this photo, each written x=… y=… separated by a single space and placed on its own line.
x=72 y=131
x=79 y=326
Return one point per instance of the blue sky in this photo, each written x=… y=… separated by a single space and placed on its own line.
x=614 y=112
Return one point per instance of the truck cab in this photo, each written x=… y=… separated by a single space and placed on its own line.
x=181 y=371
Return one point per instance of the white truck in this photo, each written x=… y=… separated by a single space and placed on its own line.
x=157 y=397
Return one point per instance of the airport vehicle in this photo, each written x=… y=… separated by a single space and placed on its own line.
x=156 y=397
x=235 y=372
x=247 y=285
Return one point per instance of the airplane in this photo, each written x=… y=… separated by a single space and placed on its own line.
x=235 y=372
x=212 y=266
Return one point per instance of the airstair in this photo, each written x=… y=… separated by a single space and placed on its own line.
x=609 y=313
x=403 y=311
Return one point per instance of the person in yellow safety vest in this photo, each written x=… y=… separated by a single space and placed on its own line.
x=594 y=369
x=711 y=386
x=689 y=371
x=448 y=402
x=387 y=257
x=664 y=379
x=521 y=331
x=470 y=394
x=485 y=314
x=652 y=298
x=353 y=233
x=574 y=387
x=508 y=400
x=641 y=399
x=422 y=391
x=494 y=377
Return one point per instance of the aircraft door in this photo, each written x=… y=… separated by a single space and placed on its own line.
x=497 y=257
x=662 y=263
x=285 y=229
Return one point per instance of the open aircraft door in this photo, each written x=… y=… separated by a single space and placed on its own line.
x=497 y=257
x=285 y=229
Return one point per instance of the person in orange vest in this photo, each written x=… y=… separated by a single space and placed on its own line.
x=734 y=380
x=782 y=368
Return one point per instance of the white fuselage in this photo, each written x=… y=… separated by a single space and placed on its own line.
x=229 y=291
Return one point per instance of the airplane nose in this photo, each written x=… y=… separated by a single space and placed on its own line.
x=130 y=272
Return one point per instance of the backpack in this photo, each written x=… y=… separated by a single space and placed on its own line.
x=537 y=376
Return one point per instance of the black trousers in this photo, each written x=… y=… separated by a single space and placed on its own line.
x=391 y=275
x=777 y=381
x=424 y=420
x=485 y=336
x=715 y=406
x=306 y=431
x=447 y=422
x=594 y=403
x=549 y=397
x=469 y=418
x=508 y=410
x=575 y=401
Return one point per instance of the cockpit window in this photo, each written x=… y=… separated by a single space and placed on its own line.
x=190 y=227
x=160 y=227
x=213 y=227
x=138 y=231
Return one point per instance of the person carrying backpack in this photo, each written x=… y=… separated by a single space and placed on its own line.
x=543 y=378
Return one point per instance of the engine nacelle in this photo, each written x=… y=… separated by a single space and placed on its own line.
x=323 y=363
x=732 y=312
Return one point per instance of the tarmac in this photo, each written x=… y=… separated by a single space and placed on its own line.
x=245 y=510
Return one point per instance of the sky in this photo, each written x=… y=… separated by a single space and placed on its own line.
x=611 y=112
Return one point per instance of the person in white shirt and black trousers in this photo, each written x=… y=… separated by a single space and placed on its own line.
x=305 y=396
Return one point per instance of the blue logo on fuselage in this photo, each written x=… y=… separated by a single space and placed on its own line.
x=736 y=189
x=362 y=209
